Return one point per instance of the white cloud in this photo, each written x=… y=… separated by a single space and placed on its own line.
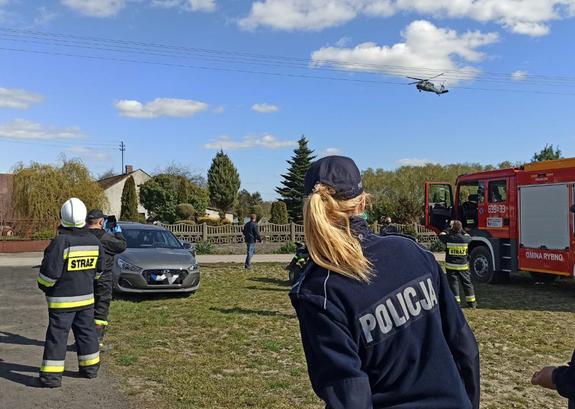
x=89 y=155
x=529 y=17
x=22 y=129
x=267 y=141
x=265 y=108
x=18 y=98
x=416 y=162
x=519 y=75
x=97 y=8
x=44 y=17
x=219 y=110
x=330 y=151
x=160 y=107
x=343 y=42
x=187 y=5
x=426 y=50
x=3 y=2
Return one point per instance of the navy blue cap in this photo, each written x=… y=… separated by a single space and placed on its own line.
x=339 y=172
x=95 y=214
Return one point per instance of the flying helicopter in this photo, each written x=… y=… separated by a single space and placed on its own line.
x=426 y=85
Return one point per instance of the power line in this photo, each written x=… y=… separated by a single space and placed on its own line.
x=107 y=48
x=268 y=73
x=457 y=75
x=115 y=42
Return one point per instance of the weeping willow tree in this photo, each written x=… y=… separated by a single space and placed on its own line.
x=40 y=190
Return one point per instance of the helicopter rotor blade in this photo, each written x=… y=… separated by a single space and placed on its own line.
x=436 y=76
x=418 y=79
x=416 y=82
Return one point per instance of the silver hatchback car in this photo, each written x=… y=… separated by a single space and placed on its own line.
x=155 y=261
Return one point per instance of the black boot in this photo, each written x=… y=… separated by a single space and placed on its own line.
x=472 y=304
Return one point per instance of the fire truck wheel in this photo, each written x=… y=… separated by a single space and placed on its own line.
x=481 y=265
x=543 y=277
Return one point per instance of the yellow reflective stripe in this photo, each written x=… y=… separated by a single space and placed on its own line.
x=456 y=266
x=443 y=233
x=89 y=362
x=470 y=299
x=70 y=304
x=100 y=322
x=51 y=368
x=45 y=283
x=85 y=253
x=98 y=276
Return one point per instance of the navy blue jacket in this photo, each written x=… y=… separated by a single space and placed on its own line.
x=252 y=232
x=564 y=380
x=400 y=341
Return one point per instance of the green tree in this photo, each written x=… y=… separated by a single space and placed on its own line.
x=292 y=192
x=547 y=153
x=258 y=211
x=185 y=211
x=245 y=202
x=223 y=183
x=182 y=193
x=159 y=195
x=129 y=209
x=279 y=213
x=39 y=190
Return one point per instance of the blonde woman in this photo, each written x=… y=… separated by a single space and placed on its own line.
x=379 y=325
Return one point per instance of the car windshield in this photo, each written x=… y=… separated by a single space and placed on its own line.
x=144 y=238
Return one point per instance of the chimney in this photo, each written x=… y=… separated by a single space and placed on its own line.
x=129 y=169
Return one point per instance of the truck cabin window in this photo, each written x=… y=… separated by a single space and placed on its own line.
x=471 y=194
x=498 y=191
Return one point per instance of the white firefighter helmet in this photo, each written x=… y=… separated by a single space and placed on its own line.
x=73 y=213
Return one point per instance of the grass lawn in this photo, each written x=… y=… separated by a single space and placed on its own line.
x=236 y=344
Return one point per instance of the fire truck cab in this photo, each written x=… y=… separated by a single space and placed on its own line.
x=519 y=219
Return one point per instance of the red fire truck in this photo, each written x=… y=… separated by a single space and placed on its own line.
x=519 y=219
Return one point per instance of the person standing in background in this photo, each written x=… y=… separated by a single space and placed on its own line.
x=251 y=235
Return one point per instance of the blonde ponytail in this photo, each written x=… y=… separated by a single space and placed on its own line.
x=328 y=236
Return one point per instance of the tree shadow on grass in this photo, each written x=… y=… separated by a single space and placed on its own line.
x=136 y=297
x=281 y=290
x=276 y=281
x=244 y=311
x=524 y=294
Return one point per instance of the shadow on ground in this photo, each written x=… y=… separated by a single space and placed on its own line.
x=238 y=310
x=276 y=281
x=12 y=372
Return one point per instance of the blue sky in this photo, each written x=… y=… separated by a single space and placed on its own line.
x=85 y=106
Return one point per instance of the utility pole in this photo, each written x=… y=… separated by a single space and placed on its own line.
x=122 y=149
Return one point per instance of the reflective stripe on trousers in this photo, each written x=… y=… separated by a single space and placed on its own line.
x=452 y=266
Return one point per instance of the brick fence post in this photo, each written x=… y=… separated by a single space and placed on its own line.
x=204 y=231
x=292 y=232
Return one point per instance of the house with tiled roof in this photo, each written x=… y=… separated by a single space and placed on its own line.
x=114 y=185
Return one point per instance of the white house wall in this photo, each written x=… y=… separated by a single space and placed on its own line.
x=114 y=193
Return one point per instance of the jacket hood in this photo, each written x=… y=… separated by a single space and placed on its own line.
x=74 y=231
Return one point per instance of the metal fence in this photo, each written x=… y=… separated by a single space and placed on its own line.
x=275 y=233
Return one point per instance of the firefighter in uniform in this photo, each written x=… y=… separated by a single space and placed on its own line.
x=112 y=244
x=379 y=325
x=457 y=263
x=71 y=263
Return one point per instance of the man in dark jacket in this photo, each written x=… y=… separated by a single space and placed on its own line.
x=112 y=244
x=71 y=263
x=388 y=227
x=457 y=263
x=560 y=378
x=251 y=235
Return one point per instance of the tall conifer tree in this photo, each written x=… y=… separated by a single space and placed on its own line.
x=292 y=192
